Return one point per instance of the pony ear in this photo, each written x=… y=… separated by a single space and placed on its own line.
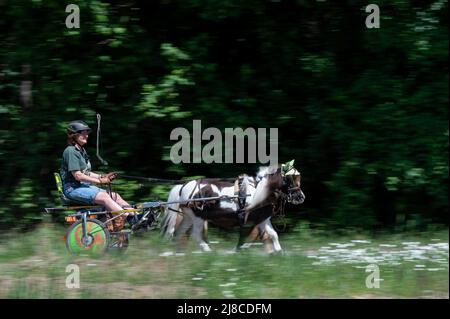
x=273 y=169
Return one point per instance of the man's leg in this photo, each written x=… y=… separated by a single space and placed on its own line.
x=103 y=198
x=119 y=200
x=132 y=217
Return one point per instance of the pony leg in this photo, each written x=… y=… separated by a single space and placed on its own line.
x=264 y=236
x=197 y=233
x=205 y=230
x=183 y=228
x=244 y=232
x=273 y=235
x=256 y=233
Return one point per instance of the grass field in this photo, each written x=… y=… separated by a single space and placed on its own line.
x=314 y=265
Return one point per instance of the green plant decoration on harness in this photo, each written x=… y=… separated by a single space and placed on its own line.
x=287 y=167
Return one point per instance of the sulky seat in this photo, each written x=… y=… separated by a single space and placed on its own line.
x=64 y=200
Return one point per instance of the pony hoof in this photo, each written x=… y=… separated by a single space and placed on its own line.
x=277 y=253
x=205 y=248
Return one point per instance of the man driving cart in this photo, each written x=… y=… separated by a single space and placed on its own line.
x=78 y=179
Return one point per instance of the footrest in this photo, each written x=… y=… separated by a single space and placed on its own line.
x=125 y=231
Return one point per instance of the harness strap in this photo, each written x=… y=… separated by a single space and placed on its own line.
x=240 y=191
x=174 y=210
x=193 y=190
x=197 y=185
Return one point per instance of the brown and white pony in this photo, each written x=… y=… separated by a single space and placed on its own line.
x=265 y=193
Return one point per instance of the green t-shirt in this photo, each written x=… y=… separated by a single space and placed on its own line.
x=74 y=159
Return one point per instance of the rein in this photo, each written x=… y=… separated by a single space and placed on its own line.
x=167 y=181
x=150 y=179
x=280 y=211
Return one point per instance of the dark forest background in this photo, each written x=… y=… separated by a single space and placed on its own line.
x=364 y=112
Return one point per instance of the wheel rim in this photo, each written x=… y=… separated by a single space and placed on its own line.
x=97 y=242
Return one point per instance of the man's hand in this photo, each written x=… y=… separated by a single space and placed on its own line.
x=104 y=179
x=111 y=176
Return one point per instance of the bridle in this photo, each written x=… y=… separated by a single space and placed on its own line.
x=279 y=205
x=289 y=183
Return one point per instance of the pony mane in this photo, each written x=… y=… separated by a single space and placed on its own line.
x=264 y=170
x=262 y=192
x=261 y=173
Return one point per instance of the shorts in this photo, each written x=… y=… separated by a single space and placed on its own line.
x=84 y=193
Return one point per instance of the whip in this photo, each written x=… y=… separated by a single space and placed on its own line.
x=99 y=118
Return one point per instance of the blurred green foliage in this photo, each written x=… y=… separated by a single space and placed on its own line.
x=363 y=111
